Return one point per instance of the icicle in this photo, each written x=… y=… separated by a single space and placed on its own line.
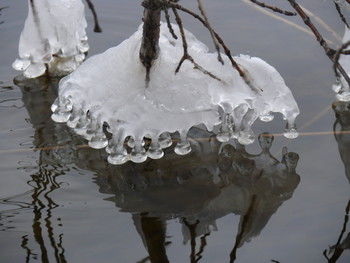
x=117 y=152
x=291 y=131
x=183 y=146
x=165 y=140
x=138 y=153
x=226 y=129
x=61 y=110
x=155 y=150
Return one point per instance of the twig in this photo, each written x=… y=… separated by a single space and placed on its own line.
x=329 y=52
x=187 y=56
x=227 y=51
x=167 y=18
x=340 y=51
x=216 y=44
x=97 y=27
x=341 y=14
x=273 y=8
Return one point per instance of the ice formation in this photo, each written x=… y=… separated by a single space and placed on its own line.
x=341 y=86
x=108 y=90
x=53 y=38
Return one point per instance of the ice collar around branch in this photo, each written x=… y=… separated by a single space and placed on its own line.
x=53 y=38
x=108 y=90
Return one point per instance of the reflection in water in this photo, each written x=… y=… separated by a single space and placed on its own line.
x=213 y=181
x=37 y=98
x=341 y=130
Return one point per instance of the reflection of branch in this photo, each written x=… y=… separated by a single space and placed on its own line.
x=273 y=8
x=192 y=229
x=338 y=248
x=246 y=217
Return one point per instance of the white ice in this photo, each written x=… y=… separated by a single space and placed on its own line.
x=53 y=37
x=109 y=88
x=341 y=86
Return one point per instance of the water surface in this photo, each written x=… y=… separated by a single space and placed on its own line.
x=61 y=202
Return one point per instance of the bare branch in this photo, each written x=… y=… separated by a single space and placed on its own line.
x=227 y=51
x=216 y=44
x=341 y=14
x=167 y=18
x=341 y=50
x=97 y=27
x=329 y=52
x=187 y=56
x=273 y=8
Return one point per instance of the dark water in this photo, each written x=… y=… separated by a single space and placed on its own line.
x=61 y=202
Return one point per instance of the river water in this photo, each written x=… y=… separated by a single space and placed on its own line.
x=60 y=201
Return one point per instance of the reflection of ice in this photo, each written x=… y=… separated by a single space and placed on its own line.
x=53 y=38
x=341 y=130
x=109 y=90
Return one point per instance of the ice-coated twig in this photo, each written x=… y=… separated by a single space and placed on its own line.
x=341 y=14
x=273 y=8
x=329 y=51
x=97 y=27
x=216 y=44
x=187 y=56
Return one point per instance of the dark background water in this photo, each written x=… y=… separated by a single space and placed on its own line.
x=61 y=202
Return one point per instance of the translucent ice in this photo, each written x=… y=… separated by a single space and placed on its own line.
x=53 y=38
x=109 y=90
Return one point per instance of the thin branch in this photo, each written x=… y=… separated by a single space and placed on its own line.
x=167 y=18
x=97 y=27
x=216 y=44
x=341 y=14
x=329 y=52
x=243 y=74
x=273 y=8
x=187 y=56
x=340 y=51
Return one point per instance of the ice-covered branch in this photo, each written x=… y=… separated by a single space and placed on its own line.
x=53 y=38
